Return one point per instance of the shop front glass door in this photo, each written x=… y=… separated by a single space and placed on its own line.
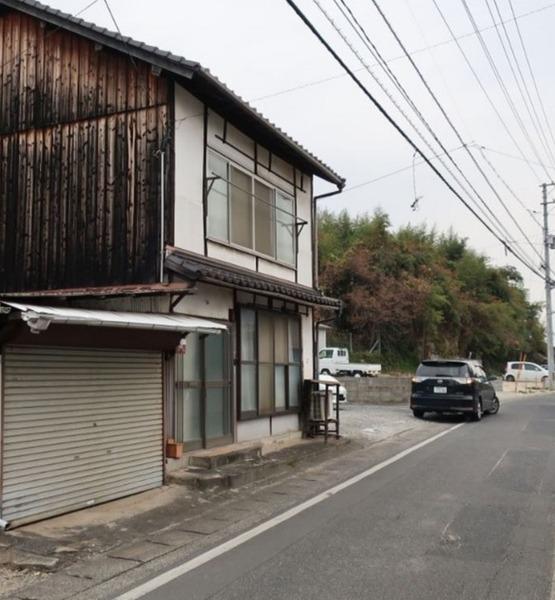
x=203 y=403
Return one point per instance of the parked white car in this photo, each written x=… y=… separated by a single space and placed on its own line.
x=525 y=371
x=342 y=390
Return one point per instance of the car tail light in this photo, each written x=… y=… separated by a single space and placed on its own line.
x=464 y=380
x=418 y=379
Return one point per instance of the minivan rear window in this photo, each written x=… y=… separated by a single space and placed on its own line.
x=442 y=369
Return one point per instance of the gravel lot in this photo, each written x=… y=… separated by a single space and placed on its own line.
x=376 y=422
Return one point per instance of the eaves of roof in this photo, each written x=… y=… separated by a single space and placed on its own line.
x=194 y=267
x=214 y=92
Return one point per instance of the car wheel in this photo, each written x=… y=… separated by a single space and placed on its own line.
x=357 y=374
x=495 y=406
x=544 y=380
x=509 y=378
x=325 y=372
x=478 y=413
x=418 y=413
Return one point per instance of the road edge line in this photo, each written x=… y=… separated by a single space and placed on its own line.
x=159 y=580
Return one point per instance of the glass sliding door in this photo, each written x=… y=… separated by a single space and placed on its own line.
x=188 y=393
x=203 y=390
x=217 y=416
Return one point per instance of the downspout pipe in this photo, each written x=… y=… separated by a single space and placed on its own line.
x=315 y=266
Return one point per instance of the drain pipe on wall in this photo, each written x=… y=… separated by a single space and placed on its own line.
x=315 y=277
x=161 y=152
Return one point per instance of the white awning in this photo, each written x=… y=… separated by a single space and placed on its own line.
x=40 y=317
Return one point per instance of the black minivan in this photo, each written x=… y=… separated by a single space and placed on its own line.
x=452 y=386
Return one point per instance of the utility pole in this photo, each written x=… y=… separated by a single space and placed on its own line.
x=548 y=244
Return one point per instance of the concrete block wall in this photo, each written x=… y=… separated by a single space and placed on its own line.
x=377 y=390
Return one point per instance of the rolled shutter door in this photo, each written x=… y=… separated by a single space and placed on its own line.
x=80 y=427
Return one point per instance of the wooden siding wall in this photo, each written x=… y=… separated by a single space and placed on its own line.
x=80 y=127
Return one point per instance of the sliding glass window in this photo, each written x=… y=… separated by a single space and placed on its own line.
x=244 y=211
x=271 y=357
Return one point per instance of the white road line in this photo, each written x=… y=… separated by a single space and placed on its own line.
x=497 y=463
x=213 y=553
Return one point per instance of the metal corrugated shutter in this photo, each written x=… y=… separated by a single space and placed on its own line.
x=81 y=426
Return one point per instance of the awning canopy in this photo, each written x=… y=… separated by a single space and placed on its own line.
x=39 y=318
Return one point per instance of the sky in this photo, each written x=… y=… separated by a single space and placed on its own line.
x=263 y=51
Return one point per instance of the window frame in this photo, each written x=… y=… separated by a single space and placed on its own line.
x=257 y=414
x=275 y=191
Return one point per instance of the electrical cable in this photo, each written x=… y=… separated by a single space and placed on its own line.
x=448 y=119
x=531 y=71
x=522 y=89
x=302 y=86
x=507 y=186
x=401 y=132
x=484 y=91
x=375 y=52
x=502 y=85
x=377 y=56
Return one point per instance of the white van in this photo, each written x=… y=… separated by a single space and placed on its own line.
x=525 y=371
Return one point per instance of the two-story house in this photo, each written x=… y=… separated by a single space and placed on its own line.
x=157 y=264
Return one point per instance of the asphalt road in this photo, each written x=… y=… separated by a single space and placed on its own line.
x=469 y=516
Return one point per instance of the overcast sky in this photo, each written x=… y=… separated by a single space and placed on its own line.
x=261 y=49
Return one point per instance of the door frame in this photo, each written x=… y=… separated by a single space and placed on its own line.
x=203 y=385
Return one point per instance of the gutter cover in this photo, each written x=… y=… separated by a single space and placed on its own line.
x=39 y=318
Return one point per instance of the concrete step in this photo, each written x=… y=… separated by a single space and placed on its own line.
x=230 y=475
x=219 y=457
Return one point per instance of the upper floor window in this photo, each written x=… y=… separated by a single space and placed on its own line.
x=245 y=211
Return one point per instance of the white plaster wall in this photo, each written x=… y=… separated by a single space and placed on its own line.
x=275 y=270
x=215 y=135
x=189 y=159
x=253 y=430
x=306 y=333
x=232 y=256
x=285 y=424
x=304 y=260
x=209 y=301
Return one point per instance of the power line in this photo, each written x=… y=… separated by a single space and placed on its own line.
x=484 y=91
x=107 y=4
x=390 y=174
x=501 y=83
x=507 y=186
x=470 y=34
x=403 y=134
x=494 y=217
x=494 y=222
x=508 y=155
x=522 y=89
x=531 y=71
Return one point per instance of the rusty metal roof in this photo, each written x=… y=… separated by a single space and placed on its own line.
x=196 y=77
x=194 y=267
x=98 y=291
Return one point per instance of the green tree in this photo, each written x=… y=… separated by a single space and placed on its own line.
x=423 y=293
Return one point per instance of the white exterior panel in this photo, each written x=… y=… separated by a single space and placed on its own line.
x=81 y=426
x=189 y=171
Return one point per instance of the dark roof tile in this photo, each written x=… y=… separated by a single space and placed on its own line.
x=195 y=267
